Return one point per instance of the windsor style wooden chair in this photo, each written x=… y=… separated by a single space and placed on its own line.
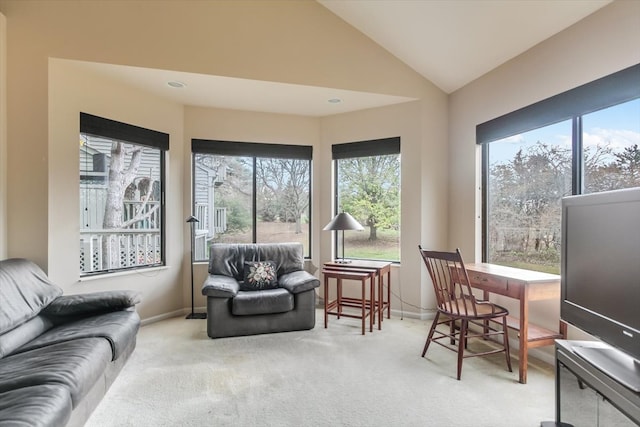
x=458 y=307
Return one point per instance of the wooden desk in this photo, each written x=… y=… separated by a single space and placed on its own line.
x=382 y=269
x=525 y=286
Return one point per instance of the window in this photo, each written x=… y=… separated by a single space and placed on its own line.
x=121 y=196
x=367 y=179
x=250 y=193
x=611 y=153
x=581 y=141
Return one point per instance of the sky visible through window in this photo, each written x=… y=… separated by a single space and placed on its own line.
x=618 y=126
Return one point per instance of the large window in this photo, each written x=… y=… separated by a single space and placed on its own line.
x=121 y=196
x=582 y=141
x=250 y=193
x=367 y=177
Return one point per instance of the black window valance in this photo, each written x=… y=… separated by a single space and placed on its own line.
x=605 y=92
x=376 y=147
x=107 y=128
x=251 y=149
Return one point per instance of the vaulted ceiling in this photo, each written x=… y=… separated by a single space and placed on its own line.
x=449 y=42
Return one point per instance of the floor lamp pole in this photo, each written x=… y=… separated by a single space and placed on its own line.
x=191 y=220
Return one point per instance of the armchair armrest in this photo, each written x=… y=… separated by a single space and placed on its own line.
x=220 y=286
x=92 y=303
x=298 y=281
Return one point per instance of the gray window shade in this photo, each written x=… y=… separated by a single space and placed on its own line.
x=107 y=128
x=613 y=89
x=376 y=147
x=252 y=149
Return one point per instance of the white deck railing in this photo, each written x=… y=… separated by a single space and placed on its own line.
x=133 y=248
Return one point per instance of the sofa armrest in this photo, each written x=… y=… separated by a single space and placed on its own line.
x=92 y=303
x=298 y=281
x=219 y=286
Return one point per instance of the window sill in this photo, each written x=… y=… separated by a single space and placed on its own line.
x=149 y=272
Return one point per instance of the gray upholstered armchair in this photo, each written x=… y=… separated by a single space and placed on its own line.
x=258 y=288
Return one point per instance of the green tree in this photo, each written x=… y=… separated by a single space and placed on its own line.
x=370 y=191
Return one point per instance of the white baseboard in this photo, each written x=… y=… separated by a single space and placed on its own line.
x=176 y=313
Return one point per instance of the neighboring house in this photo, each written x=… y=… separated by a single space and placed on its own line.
x=212 y=218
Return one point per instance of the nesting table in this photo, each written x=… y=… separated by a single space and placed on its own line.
x=370 y=274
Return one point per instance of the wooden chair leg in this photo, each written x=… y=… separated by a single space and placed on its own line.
x=461 y=344
x=505 y=337
x=452 y=331
x=431 y=331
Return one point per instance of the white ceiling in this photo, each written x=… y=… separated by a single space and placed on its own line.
x=453 y=42
x=449 y=42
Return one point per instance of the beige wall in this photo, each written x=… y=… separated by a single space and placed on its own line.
x=283 y=41
x=244 y=126
x=292 y=42
x=423 y=159
x=73 y=90
x=3 y=136
x=601 y=44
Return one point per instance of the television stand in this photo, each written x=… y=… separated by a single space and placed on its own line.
x=586 y=395
x=622 y=368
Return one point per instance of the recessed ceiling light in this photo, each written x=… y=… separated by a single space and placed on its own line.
x=334 y=101
x=176 y=84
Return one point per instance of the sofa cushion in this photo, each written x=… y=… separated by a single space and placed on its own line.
x=298 y=281
x=227 y=259
x=25 y=290
x=90 y=304
x=287 y=256
x=22 y=334
x=259 y=275
x=219 y=286
x=76 y=364
x=35 y=406
x=262 y=302
x=119 y=328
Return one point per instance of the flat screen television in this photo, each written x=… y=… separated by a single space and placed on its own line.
x=601 y=277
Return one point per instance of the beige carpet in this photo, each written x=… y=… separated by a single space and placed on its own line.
x=177 y=376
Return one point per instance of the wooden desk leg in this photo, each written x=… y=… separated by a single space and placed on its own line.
x=524 y=336
x=339 y=297
x=389 y=293
x=372 y=299
x=380 y=300
x=485 y=329
x=563 y=329
x=326 y=300
x=364 y=304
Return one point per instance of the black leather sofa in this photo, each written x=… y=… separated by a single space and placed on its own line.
x=58 y=354
x=235 y=307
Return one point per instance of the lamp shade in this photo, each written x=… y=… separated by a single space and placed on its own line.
x=192 y=219
x=343 y=221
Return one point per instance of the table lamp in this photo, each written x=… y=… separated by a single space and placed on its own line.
x=343 y=221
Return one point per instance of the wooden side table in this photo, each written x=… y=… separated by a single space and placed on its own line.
x=382 y=269
x=335 y=307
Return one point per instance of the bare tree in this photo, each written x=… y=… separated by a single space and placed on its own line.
x=284 y=188
x=121 y=182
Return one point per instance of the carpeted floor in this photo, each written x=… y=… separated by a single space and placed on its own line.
x=177 y=376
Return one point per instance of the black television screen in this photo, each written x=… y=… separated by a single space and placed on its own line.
x=601 y=266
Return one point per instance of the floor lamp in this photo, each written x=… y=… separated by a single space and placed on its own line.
x=343 y=221
x=191 y=221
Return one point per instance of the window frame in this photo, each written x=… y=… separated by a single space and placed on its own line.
x=254 y=150
x=617 y=88
x=101 y=127
x=367 y=148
